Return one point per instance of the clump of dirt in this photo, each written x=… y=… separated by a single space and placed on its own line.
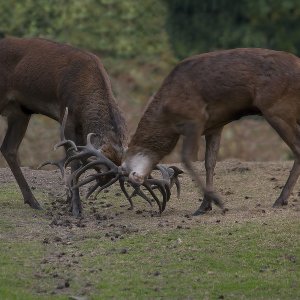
x=248 y=189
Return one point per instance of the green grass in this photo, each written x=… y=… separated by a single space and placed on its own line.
x=243 y=261
x=250 y=260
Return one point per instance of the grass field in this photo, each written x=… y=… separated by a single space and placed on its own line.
x=45 y=255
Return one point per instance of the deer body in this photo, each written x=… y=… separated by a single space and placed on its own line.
x=38 y=76
x=205 y=92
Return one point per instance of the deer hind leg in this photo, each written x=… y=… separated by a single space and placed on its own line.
x=191 y=132
x=211 y=153
x=16 y=127
x=289 y=131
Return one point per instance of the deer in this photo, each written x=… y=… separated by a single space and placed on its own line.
x=39 y=76
x=205 y=92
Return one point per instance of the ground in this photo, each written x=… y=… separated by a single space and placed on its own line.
x=113 y=252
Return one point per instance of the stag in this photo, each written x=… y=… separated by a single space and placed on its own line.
x=39 y=76
x=205 y=92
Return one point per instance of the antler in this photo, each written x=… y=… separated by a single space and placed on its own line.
x=107 y=173
x=61 y=163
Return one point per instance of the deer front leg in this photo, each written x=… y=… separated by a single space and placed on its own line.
x=191 y=132
x=288 y=188
x=75 y=197
x=68 y=132
x=16 y=127
x=211 y=153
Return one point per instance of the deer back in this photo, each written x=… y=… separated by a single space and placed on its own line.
x=41 y=76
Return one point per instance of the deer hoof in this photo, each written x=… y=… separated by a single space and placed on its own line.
x=200 y=212
x=279 y=203
x=33 y=203
x=76 y=213
x=206 y=205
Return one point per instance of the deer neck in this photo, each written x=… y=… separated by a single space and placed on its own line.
x=105 y=120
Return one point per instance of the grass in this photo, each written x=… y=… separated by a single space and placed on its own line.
x=244 y=261
x=249 y=260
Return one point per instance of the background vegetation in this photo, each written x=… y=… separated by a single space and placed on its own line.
x=140 y=42
x=200 y=26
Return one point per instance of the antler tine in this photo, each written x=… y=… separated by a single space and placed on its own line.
x=78 y=156
x=176 y=170
x=63 y=143
x=177 y=184
x=123 y=188
x=63 y=139
x=61 y=163
x=112 y=181
x=58 y=163
x=161 y=184
x=89 y=179
x=88 y=140
x=89 y=147
x=89 y=165
x=164 y=189
x=149 y=188
x=164 y=172
x=174 y=178
x=142 y=194
x=170 y=174
x=92 y=189
x=88 y=151
x=137 y=191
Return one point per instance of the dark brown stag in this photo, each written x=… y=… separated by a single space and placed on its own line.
x=205 y=92
x=38 y=76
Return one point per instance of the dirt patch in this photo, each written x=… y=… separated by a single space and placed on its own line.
x=248 y=189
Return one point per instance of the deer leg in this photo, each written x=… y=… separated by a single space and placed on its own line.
x=289 y=131
x=191 y=132
x=16 y=128
x=211 y=152
x=75 y=200
x=74 y=197
x=289 y=186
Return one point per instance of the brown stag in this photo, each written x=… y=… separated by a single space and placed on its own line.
x=205 y=92
x=39 y=76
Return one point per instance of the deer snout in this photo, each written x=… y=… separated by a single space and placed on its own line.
x=136 y=178
x=133 y=176
x=138 y=167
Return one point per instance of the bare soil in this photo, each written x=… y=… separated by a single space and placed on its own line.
x=249 y=190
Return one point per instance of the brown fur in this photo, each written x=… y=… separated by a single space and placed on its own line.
x=38 y=76
x=205 y=92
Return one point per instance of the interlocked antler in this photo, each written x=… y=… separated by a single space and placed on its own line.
x=107 y=173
